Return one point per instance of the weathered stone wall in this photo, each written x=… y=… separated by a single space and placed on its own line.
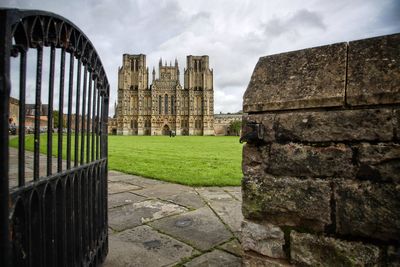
x=322 y=186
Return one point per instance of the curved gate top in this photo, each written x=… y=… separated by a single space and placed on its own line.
x=53 y=211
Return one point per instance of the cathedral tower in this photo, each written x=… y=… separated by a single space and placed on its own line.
x=199 y=82
x=133 y=79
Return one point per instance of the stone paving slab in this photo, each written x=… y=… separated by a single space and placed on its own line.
x=121 y=199
x=200 y=228
x=179 y=194
x=189 y=199
x=235 y=191
x=116 y=176
x=163 y=190
x=119 y=187
x=230 y=212
x=213 y=193
x=223 y=202
x=112 y=173
x=233 y=247
x=135 y=214
x=215 y=258
x=143 y=246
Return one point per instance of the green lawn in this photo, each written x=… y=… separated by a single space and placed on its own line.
x=190 y=160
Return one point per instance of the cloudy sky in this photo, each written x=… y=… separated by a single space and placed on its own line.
x=233 y=33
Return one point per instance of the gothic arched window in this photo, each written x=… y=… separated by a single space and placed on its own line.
x=166 y=104
x=159 y=105
x=172 y=105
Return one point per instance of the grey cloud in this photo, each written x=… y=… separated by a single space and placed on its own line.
x=390 y=16
x=234 y=33
x=301 y=19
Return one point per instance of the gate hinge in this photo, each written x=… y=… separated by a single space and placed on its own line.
x=252 y=132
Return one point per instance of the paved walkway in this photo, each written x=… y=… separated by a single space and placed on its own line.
x=154 y=223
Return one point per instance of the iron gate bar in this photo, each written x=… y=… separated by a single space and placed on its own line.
x=21 y=128
x=98 y=126
x=38 y=105
x=83 y=116
x=70 y=87
x=50 y=111
x=5 y=87
x=88 y=117
x=78 y=88
x=60 y=111
x=93 y=117
x=60 y=218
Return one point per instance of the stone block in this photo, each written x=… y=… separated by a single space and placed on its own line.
x=265 y=239
x=310 y=161
x=253 y=160
x=144 y=246
x=393 y=256
x=379 y=162
x=327 y=126
x=178 y=194
x=397 y=124
x=201 y=228
x=233 y=247
x=309 y=78
x=214 y=258
x=311 y=250
x=121 y=199
x=287 y=201
x=228 y=209
x=129 y=216
x=374 y=71
x=251 y=260
x=119 y=187
x=365 y=209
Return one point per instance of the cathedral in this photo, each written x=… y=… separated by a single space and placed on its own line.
x=165 y=105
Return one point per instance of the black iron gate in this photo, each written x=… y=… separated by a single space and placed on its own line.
x=55 y=215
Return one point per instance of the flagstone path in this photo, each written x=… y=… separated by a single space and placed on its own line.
x=154 y=223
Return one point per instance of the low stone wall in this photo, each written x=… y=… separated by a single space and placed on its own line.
x=321 y=185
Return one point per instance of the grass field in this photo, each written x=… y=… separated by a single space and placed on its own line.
x=190 y=160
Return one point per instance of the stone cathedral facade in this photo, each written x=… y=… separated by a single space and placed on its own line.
x=165 y=105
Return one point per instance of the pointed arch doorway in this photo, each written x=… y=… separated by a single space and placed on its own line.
x=165 y=130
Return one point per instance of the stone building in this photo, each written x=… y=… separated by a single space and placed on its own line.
x=223 y=121
x=29 y=114
x=165 y=105
x=14 y=111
